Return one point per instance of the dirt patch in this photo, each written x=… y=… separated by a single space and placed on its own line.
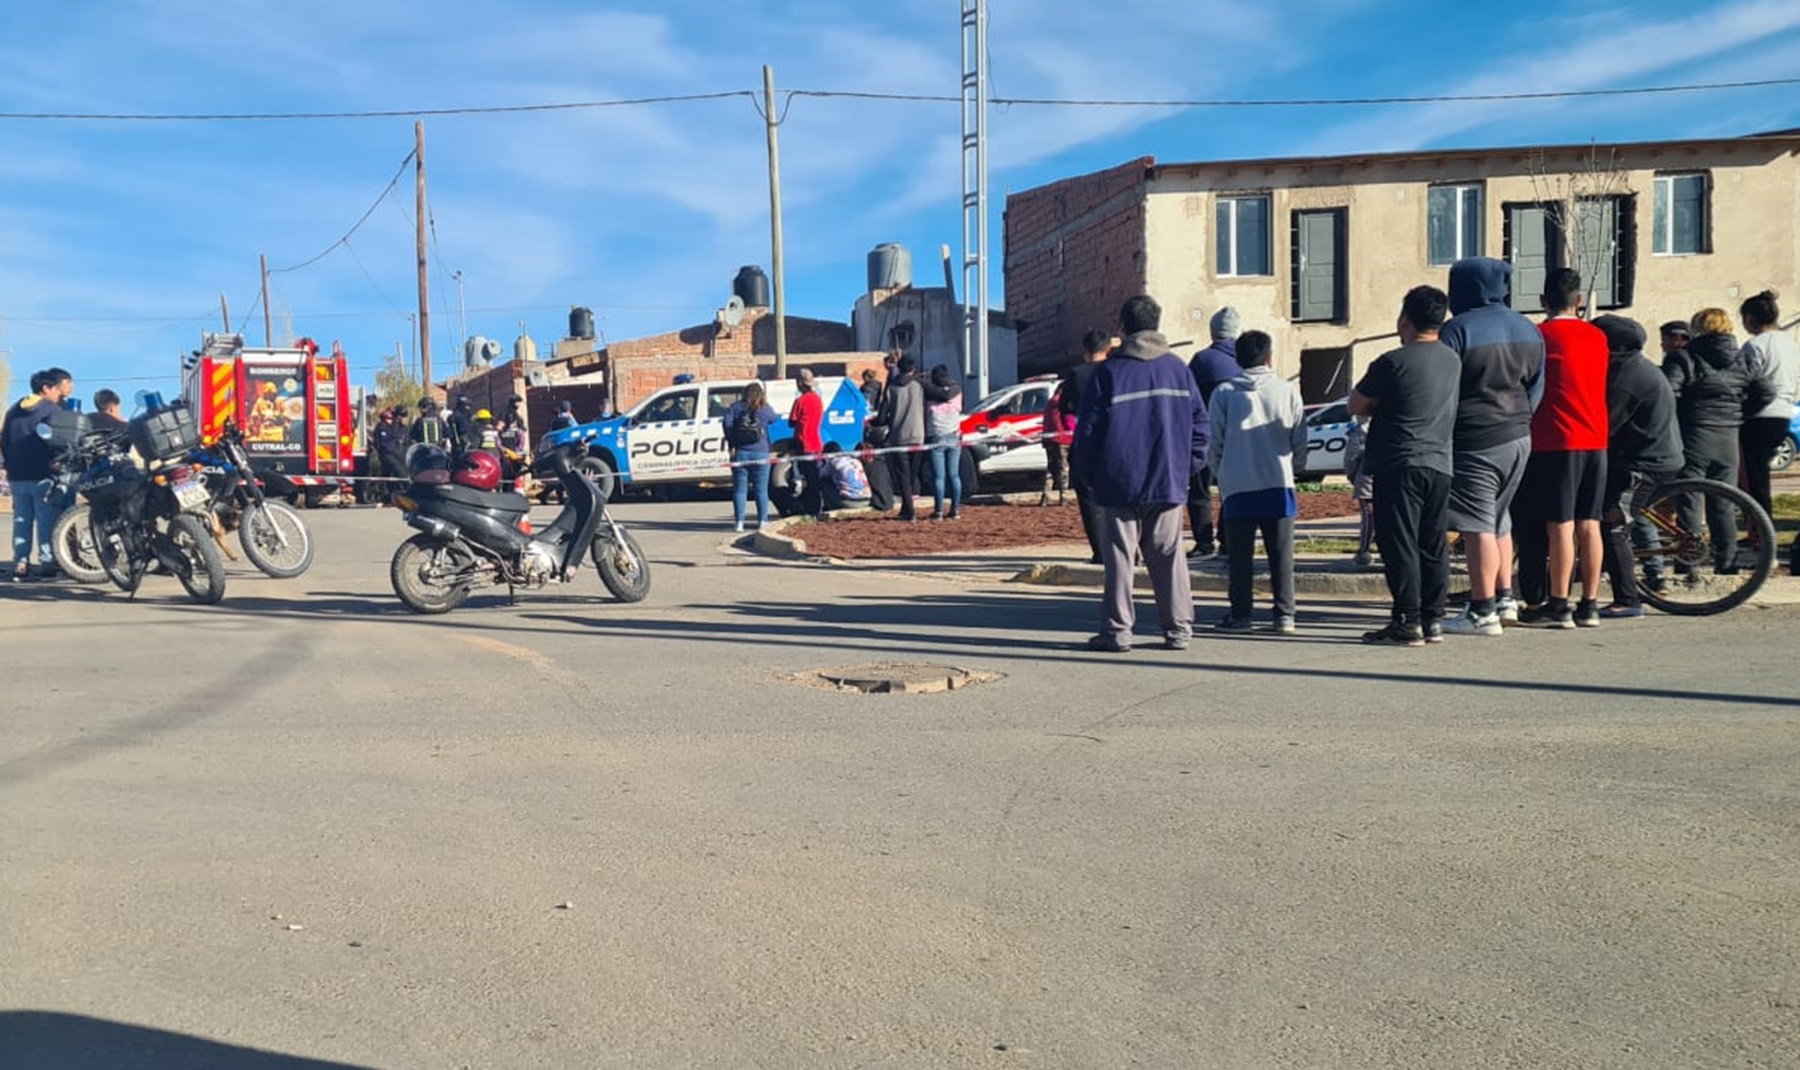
x=985 y=527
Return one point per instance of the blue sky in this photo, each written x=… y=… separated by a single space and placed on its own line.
x=117 y=238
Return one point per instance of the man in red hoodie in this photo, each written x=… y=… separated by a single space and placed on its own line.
x=1565 y=481
x=807 y=416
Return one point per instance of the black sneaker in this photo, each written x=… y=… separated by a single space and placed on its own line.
x=1396 y=634
x=1112 y=644
x=1587 y=614
x=1547 y=616
x=1434 y=631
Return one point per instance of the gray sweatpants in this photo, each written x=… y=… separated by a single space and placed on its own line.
x=1155 y=530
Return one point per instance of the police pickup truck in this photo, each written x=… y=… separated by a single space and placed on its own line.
x=677 y=435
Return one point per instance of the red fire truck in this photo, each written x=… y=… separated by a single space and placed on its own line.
x=292 y=405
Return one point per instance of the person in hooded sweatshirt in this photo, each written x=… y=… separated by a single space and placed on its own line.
x=1643 y=449
x=1714 y=386
x=903 y=414
x=1140 y=432
x=1257 y=425
x=27 y=459
x=1215 y=364
x=1502 y=355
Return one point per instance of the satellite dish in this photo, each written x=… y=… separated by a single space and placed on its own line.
x=733 y=312
x=537 y=377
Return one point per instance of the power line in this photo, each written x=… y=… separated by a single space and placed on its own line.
x=926 y=98
x=354 y=227
x=1304 y=102
x=393 y=113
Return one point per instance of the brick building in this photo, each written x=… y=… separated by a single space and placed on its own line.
x=620 y=374
x=1317 y=252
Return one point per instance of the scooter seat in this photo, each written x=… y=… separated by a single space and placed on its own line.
x=470 y=498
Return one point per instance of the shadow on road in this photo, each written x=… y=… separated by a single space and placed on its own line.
x=76 y=1042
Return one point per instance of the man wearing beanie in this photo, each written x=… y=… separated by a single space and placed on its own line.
x=1215 y=364
x=1643 y=448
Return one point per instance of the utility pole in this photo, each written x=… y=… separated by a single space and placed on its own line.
x=424 y=332
x=268 y=318
x=225 y=313
x=775 y=258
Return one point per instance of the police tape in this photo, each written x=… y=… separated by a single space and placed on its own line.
x=862 y=453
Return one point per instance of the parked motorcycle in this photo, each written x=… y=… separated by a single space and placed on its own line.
x=83 y=454
x=272 y=534
x=160 y=515
x=472 y=534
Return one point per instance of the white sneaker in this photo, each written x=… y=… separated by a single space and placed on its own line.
x=1507 y=609
x=740 y=528
x=1468 y=623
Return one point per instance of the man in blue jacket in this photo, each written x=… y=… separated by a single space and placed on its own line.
x=1140 y=434
x=1215 y=364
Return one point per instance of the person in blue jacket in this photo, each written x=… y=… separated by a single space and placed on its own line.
x=747 y=429
x=1140 y=434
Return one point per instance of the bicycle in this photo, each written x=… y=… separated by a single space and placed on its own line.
x=1686 y=566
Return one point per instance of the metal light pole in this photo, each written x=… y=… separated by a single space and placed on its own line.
x=462 y=313
x=975 y=189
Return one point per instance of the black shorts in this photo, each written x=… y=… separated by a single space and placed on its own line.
x=1566 y=485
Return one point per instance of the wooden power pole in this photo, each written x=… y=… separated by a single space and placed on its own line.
x=775 y=258
x=419 y=218
x=268 y=318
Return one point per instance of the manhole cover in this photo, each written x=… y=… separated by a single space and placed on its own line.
x=898 y=678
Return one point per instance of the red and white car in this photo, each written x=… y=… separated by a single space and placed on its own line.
x=1004 y=431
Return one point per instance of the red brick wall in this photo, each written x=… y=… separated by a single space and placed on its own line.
x=1075 y=251
x=637 y=377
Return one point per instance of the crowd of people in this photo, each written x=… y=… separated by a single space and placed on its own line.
x=1530 y=441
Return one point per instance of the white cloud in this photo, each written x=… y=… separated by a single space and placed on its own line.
x=1627 y=51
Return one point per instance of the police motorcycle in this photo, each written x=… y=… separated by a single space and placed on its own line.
x=273 y=536
x=472 y=534
x=154 y=516
x=84 y=455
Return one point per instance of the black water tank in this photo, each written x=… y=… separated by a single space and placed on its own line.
x=890 y=267
x=751 y=286
x=581 y=323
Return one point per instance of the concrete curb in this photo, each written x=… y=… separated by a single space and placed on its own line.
x=1317 y=580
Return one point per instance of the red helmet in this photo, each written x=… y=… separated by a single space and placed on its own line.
x=479 y=470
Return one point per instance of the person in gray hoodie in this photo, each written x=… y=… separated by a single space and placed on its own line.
x=1258 y=425
x=903 y=414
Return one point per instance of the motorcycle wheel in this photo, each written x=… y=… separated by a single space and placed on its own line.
x=200 y=565
x=416 y=574
x=623 y=567
x=112 y=545
x=72 y=543
x=276 y=540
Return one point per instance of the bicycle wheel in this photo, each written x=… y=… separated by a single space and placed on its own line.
x=1713 y=547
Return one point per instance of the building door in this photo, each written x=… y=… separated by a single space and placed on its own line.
x=1321 y=277
x=1605 y=244
x=1533 y=248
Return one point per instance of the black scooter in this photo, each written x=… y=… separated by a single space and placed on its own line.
x=470 y=537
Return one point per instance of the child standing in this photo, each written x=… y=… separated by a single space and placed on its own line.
x=1362 y=486
x=1258 y=425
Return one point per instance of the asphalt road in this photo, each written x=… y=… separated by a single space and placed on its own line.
x=307 y=828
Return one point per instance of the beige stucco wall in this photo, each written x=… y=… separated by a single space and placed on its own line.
x=1754 y=195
